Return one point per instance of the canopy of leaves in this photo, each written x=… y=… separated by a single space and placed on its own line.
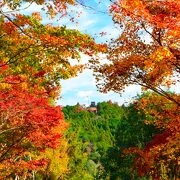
x=28 y=125
x=151 y=63
x=34 y=58
x=100 y=139
x=147 y=53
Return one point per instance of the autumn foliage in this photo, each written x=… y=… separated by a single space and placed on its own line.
x=160 y=157
x=146 y=53
x=28 y=125
x=152 y=62
x=34 y=58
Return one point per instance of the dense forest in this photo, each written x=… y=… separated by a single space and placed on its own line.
x=96 y=149
x=42 y=140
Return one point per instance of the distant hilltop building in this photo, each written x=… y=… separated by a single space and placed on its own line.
x=93 y=104
x=92 y=107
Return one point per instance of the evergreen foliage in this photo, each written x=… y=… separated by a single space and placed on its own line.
x=97 y=140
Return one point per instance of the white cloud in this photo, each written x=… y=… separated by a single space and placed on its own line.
x=83 y=80
x=68 y=101
x=85 y=93
x=84 y=59
x=29 y=8
x=82 y=88
x=132 y=89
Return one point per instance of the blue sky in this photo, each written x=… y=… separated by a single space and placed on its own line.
x=82 y=88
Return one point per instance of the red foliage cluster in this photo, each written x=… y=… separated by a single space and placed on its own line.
x=29 y=124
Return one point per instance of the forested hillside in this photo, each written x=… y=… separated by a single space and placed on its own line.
x=42 y=44
x=97 y=140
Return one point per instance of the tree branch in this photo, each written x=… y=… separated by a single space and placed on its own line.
x=16 y=25
x=17 y=54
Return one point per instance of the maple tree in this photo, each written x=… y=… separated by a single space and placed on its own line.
x=35 y=50
x=133 y=60
x=28 y=126
x=58 y=159
x=147 y=53
x=34 y=58
x=160 y=157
